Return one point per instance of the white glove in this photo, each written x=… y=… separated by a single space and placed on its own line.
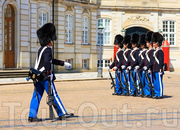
x=160 y=73
x=127 y=71
x=129 y=68
x=67 y=64
x=149 y=71
x=115 y=68
x=108 y=68
x=137 y=67
x=145 y=68
x=123 y=67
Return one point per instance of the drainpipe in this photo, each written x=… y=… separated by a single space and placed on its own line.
x=29 y=42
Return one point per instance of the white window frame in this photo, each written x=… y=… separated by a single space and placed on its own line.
x=103 y=63
x=84 y=63
x=105 y=31
x=68 y=29
x=168 y=33
x=71 y=62
x=42 y=18
x=84 y=29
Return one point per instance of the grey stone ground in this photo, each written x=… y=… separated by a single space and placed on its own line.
x=94 y=106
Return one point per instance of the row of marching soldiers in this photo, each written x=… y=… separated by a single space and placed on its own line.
x=138 y=65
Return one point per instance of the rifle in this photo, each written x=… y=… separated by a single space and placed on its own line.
x=112 y=83
x=120 y=83
x=35 y=76
x=150 y=84
x=134 y=83
x=140 y=84
x=126 y=84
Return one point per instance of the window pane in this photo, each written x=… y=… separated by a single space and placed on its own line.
x=67 y=38
x=40 y=19
x=66 y=20
x=86 y=23
x=83 y=40
x=70 y=35
x=70 y=21
x=86 y=36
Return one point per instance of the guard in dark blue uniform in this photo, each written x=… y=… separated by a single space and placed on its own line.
x=134 y=62
x=148 y=63
x=126 y=62
x=46 y=35
x=141 y=59
x=117 y=61
x=157 y=71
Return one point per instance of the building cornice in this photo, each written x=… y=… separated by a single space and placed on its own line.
x=137 y=8
x=76 y=3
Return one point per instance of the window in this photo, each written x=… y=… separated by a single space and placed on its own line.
x=69 y=28
x=42 y=18
x=85 y=63
x=106 y=40
x=169 y=31
x=69 y=61
x=85 y=28
x=104 y=63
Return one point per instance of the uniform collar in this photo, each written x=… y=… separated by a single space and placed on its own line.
x=135 y=48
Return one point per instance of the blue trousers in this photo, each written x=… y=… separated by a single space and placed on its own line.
x=40 y=87
x=147 y=90
x=123 y=81
x=118 y=91
x=158 y=84
x=142 y=78
x=133 y=88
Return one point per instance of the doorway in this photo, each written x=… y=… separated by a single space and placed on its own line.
x=9 y=36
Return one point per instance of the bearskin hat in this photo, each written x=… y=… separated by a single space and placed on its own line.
x=142 y=40
x=157 y=38
x=135 y=38
x=127 y=40
x=149 y=36
x=118 y=40
x=46 y=33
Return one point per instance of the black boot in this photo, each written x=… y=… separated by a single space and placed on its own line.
x=30 y=119
x=114 y=94
x=66 y=116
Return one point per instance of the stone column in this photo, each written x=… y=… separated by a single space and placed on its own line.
x=24 y=24
x=1 y=31
x=78 y=36
x=93 y=40
x=33 y=24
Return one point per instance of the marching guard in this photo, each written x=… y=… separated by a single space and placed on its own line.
x=117 y=63
x=157 y=71
x=46 y=35
x=126 y=62
x=133 y=59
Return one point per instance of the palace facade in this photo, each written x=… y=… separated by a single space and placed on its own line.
x=76 y=22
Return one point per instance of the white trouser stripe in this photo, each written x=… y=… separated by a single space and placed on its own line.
x=160 y=84
x=57 y=99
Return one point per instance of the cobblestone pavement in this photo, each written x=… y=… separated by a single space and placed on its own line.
x=94 y=107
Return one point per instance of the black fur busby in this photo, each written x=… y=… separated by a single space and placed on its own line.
x=127 y=40
x=149 y=36
x=157 y=38
x=142 y=40
x=46 y=34
x=118 y=40
x=135 y=38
